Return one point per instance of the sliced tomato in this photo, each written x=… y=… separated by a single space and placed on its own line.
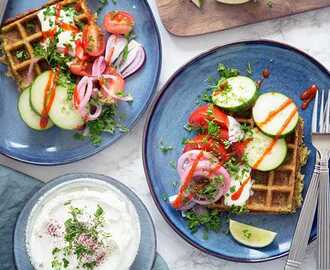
x=238 y=148
x=200 y=117
x=80 y=51
x=208 y=144
x=110 y=70
x=119 y=22
x=93 y=40
x=114 y=85
x=81 y=68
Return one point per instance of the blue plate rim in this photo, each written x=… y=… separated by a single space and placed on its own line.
x=131 y=126
x=151 y=111
x=71 y=176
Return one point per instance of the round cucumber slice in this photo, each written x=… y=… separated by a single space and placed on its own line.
x=30 y=117
x=265 y=153
x=239 y=94
x=38 y=91
x=62 y=112
x=249 y=235
x=272 y=110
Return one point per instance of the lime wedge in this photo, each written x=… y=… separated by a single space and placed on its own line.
x=198 y=3
x=249 y=235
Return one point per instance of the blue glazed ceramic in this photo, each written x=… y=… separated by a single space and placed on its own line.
x=57 y=146
x=147 y=250
x=291 y=72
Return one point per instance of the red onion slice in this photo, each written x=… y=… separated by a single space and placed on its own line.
x=96 y=114
x=185 y=206
x=203 y=170
x=115 y=46
x=29 y=77
x=133 y=48
x=137 y=63
x=85 y=89
x=99 y=66
x=186 y=159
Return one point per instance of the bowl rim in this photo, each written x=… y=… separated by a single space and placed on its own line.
x=67 y=178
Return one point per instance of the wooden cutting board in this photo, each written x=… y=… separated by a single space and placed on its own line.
x=183 y=18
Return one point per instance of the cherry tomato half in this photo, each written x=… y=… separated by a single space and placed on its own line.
x=80 y=68
x=202 y=115
x=114 y=85
x=119 y=22
x=93 y=40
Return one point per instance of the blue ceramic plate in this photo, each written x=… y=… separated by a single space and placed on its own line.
x=291 y=72
x=147 y=250
x=57 y=146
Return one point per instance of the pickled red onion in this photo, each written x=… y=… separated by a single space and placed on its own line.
x=99 y=66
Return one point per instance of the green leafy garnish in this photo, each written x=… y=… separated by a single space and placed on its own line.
x=164 y=148
x=22 y=55
x=81 y=239
x=208 y=219
x=226 y=72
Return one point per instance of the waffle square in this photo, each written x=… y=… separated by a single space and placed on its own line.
x=277 y=191
x=18 y=36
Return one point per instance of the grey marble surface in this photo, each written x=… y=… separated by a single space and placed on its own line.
x=308 y=31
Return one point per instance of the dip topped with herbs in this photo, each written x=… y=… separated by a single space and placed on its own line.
x=86 y=224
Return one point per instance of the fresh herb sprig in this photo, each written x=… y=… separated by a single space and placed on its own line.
x=209 y=219
x=82 y=240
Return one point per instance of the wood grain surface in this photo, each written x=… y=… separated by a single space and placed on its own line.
x=183 y=18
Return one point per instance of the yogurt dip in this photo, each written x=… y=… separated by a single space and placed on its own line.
x=83 y=224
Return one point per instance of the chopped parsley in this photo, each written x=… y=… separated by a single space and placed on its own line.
x=103 y=3
x=30 y=26
x=81 y=239
x=212 y=128
x=173 y=164
x=238 y=210
x=164 y=148
x=249 y=70
x=22 y=55
x=164 y=196
x=105 y=123
x=226 y=72
x=49 y=12
x=208 y=219
x=247 y=234
x=247 y=130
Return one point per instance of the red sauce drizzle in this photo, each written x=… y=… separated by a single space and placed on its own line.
x=69 y=27
x=181 y=196
x=235 y=196
x=308 y=95
x=265 y=75
x=49 y=96
x=270 y=147
x=273 y=113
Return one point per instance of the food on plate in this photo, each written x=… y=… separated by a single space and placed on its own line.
x=75 y=72
x=251 y=236
x=245 y=153
x=86 y=224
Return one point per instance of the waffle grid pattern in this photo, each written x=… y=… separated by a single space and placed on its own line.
x=276 y=191
x=18 y=36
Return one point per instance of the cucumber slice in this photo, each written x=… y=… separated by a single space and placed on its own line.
x=257 y=148
x=30 y=117
x=62 y=112
x=240 y=94
x=249 y=235
x=38 y=91
x=272 y=110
